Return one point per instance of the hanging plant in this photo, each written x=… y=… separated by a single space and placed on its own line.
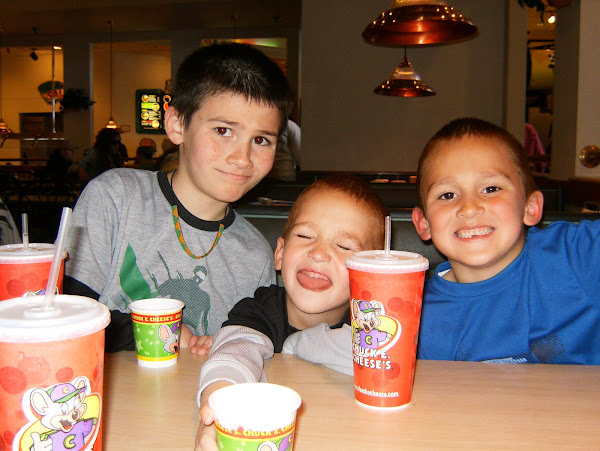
x=537 y=4
x=75 y=99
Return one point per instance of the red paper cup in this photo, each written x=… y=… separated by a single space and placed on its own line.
x=25 y=272
x=386 y=293
x=51 y=373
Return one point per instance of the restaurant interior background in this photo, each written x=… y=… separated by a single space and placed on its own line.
x=345 y=126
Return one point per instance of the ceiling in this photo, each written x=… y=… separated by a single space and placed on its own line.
x=30 y=23
x=538 y=27
x=21 y=19
x=30 y=18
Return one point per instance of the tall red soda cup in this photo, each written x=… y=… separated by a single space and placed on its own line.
x=24 y=271
x=386 y=291
x=51 y=373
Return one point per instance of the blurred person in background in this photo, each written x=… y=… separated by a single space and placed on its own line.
x=106 y=154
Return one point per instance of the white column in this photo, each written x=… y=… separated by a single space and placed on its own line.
x=78 y=74
x=576 y=88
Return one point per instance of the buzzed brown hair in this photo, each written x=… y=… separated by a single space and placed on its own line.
x=471 y=126
x=353 y=187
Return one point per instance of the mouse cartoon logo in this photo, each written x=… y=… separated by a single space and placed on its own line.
x=64 y=416
x=284 y=445
x=371 y=328
x=169 y=335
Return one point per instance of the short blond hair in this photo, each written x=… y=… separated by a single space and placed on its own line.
x=353 y=187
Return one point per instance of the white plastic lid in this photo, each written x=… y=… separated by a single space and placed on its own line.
x=15 y=253
x=24 y=320
x=393 y=263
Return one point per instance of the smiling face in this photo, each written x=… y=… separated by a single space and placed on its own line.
x=475 y=207
x=228 y=147
x=329 y=227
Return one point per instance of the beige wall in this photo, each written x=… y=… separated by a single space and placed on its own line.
x=130 y=72
x=21 y=77
x=347 y=127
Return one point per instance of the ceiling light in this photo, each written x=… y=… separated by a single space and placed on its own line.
x=418 y=22
x=404 y=82
x=33 y=55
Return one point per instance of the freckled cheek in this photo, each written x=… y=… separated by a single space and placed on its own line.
x=263 y=159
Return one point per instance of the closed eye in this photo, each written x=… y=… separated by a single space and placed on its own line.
x=349 y=244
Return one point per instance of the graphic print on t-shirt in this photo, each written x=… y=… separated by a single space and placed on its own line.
x=197 y=301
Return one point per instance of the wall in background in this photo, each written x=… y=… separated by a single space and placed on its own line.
x=21 y=77
x=131 y=71
x=347 y=127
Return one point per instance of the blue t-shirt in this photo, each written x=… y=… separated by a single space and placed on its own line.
x=543 y=308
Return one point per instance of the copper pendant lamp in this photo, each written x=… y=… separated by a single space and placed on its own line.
x=111 y=122
x=5 y=131
x=404 y=82
x=418 y=22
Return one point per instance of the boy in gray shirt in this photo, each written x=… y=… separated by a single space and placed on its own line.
x=138 y=234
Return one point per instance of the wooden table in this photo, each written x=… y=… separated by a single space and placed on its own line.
x=455 y=405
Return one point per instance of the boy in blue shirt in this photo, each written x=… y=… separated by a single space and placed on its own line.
x=505 y=294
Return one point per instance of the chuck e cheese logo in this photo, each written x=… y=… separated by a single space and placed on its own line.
x=373 y=334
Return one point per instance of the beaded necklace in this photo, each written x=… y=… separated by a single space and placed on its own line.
x=179 y=233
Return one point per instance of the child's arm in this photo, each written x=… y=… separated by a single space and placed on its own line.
x=323 y=345
x=237 y=356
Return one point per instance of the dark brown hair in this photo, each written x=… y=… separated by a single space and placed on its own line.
x=230 y=68
x=470 y=126
x=353 y=187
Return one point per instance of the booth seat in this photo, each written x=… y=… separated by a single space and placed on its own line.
x=393 y=195
x=270 y=221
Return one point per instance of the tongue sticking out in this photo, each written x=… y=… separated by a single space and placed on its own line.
x=313 y=281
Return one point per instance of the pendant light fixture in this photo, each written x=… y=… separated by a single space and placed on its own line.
x=404 y=82
x=418 y=22
x=5 y=131
x=111 y=122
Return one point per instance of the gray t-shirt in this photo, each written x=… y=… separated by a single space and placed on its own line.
x=123 y=245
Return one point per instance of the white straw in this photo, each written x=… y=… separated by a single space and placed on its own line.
x=388 y=234
x=63 y=228
x=25 y=230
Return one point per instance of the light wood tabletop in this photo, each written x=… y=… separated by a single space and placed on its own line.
x=455 y=405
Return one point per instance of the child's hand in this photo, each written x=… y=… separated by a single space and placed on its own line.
x=201 y=345
x=186 y=337
x=206 y=437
